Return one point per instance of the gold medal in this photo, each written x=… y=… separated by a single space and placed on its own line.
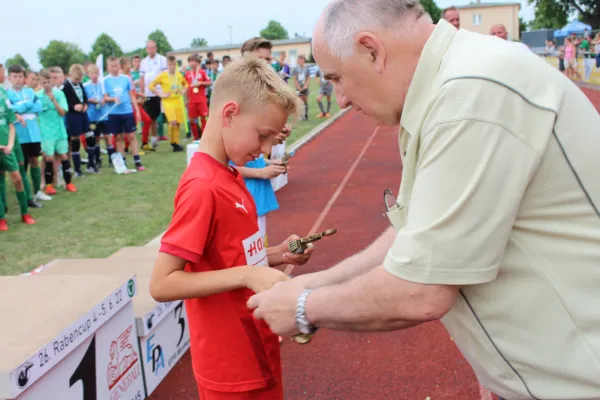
x=196 y=90
x=303 y=338
x=93 y=127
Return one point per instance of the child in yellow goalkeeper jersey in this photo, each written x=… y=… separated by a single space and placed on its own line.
x=173 y=85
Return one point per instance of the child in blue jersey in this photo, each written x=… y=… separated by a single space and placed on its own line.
x=119 y=91
x=97 y=114
x=25 y=102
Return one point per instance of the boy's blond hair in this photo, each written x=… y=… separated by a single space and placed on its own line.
x=93 y=68
x=55 y=70
x=252 y=81
x=76 y=71
x=254 y=44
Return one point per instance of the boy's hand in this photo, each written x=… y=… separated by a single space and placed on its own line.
x=78 y=107
x=263 y=278
x=21 y=120
x=6 y=149
x=117 y=101
x=165 y=95
x=273 y=171
x=291 y=258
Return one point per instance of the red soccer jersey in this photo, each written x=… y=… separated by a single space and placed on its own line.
x=198 y=96
x=214 y=227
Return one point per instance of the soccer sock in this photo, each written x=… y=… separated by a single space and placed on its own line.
x=320 y=103
x=36 y=177
x=137 y=160
x=91 y=150
x=75 y=145
x=49 y=173
x=328 y=106
x=145 y=132
x=66 y=167
x=160 y=128
x=2 y=212
x=110 y=150
x=306 y=110
x=203 y=119
x=26 y=183
x=2 y=189
x=154 y=140
x=97 y=154
x=22 y=197
x=194 y=127
x=174 y=134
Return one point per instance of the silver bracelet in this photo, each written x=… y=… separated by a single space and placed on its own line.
x=302 y=322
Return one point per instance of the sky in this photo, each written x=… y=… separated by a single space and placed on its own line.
x=130 y=21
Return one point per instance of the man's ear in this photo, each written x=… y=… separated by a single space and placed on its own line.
x=369 y=45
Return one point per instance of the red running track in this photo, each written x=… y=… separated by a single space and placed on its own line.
x=413 y=364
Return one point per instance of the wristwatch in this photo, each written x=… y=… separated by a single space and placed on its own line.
x=301 y=321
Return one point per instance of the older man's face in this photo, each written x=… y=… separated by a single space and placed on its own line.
x=151 y=49
x=499 y=31
x=453 y=17
x=357 y=83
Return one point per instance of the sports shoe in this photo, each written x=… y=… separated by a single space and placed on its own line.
x=28 y=219
x=34 y=204
x=50 y=190
x=71 y=188
x=140 y=168
x=42 y=196
x=3 y=225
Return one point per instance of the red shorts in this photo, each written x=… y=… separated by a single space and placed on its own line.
x=274 y=392
x=196 y=110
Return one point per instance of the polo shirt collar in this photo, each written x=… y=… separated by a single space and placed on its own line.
x=419 y=91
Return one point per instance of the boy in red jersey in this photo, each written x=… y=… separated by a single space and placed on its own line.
x=196 y=94
x=212 y=254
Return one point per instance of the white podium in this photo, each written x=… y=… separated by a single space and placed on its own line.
x=69 y=336
x=161 y=328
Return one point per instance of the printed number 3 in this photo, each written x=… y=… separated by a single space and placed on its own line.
x=181 y=321
x=86 y=372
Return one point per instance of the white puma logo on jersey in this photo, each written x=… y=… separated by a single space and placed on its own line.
x=238 y=205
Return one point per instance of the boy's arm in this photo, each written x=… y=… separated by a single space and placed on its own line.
x=11 y=136
x=36 y=105
x=60 y=103
x=254 y=173
x=134 y=103
x=154 y=83
x=16 y=105
x=206 y=81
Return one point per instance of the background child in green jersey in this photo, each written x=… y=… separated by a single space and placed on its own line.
x=54 y=132
x=8 y=161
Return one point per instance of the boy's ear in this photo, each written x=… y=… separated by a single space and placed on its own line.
x=230 y=110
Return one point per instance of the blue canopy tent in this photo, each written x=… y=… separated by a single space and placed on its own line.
x=572 y=27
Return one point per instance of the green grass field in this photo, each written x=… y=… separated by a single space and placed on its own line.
x=109 y=211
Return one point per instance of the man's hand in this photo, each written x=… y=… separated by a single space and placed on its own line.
x=78 y=107
x=282 y=254
x=277 y=307
x=260 y=278
x=273 y=171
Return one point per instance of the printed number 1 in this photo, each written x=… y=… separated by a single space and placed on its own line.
x=86 y=372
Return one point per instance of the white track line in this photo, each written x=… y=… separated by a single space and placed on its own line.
x=337 y=193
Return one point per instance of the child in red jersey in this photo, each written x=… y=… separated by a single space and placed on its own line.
x=212 y=254
x=197 y=106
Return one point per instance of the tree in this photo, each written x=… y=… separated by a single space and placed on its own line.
x=199 y=42
x=18 y=59
x=140 y=51
x=432 y=9
x=274 y=31
x=554 y=14
x=61 y=54
x=162 y=43
x=522 y=26
x=105 y=45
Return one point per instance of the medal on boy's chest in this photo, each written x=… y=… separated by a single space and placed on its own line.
x=174 y=85
x=195 y=90
x=194 y=81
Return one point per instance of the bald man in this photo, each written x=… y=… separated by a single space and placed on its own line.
x=452 y=15
x=496 y=226
x=499 y=31
x=150 y=68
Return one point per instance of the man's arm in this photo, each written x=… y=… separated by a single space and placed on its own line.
x=378 y=301
x=356 y=265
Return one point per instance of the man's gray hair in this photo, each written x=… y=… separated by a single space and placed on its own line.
x=343 y=19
